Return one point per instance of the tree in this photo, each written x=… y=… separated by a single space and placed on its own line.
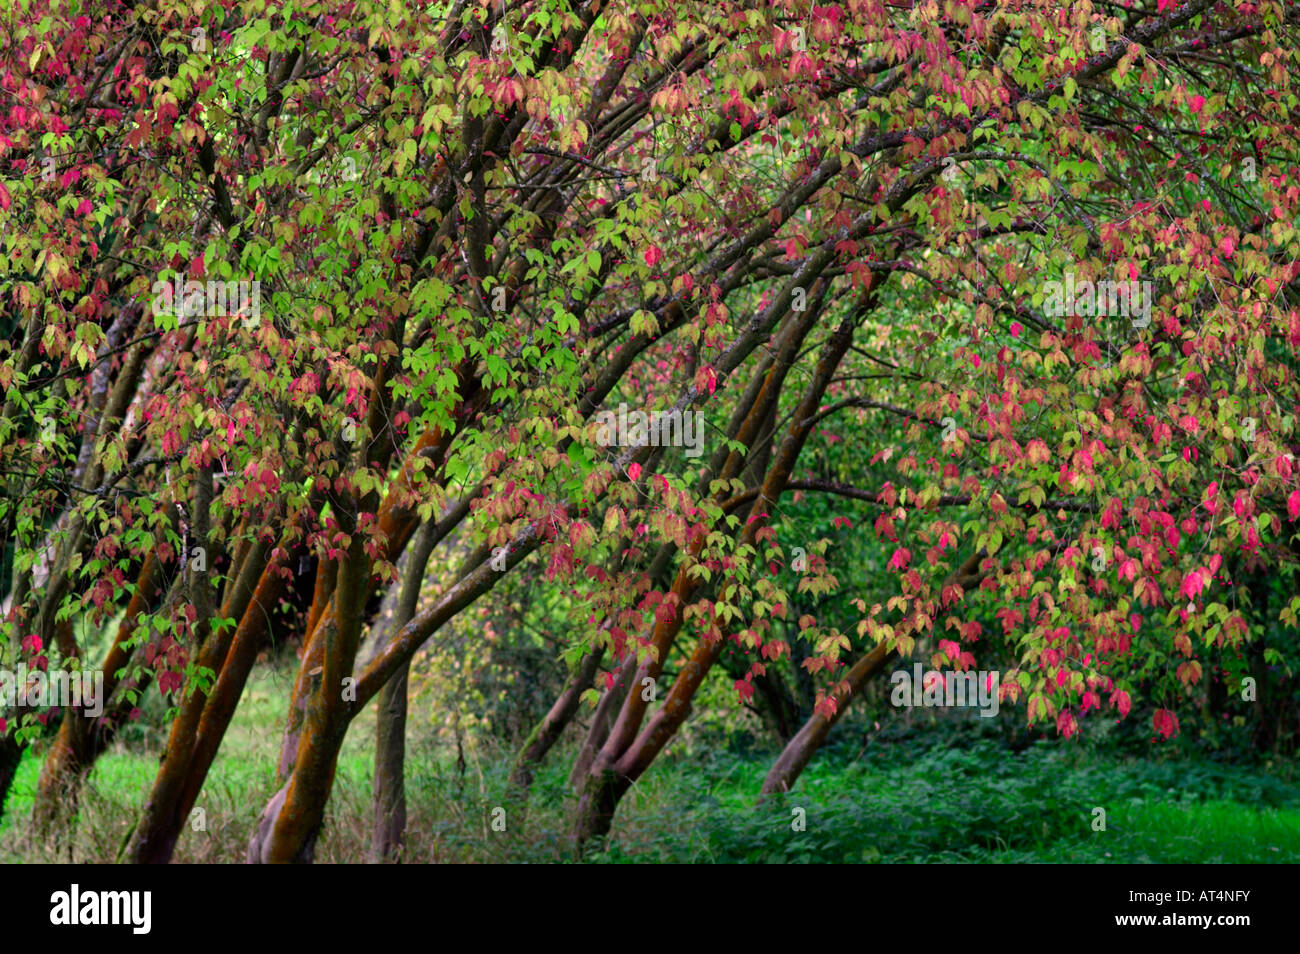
x=308 y=283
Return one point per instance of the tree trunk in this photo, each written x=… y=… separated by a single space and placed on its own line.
x=389 y=825
x=600 y=796
x=296 y=826
x=390 y=767
x=631 y=749
x=11 y=753
x=602 y=722
x=396 y=523
x=197 y=730
x=800 y=750
x=77 y=743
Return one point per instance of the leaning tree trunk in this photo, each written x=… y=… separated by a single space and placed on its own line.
x=77 y=742
x=290 y=822
x=627 y=753
x=799 y=751
x=197 y=730
x=602 y=790
x=290 y=833
x=602 y=723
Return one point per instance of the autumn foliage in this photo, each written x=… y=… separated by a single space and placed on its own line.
x=312 y=304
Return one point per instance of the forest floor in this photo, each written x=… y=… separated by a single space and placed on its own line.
x=936 y=796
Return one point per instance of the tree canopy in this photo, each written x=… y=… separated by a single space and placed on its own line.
x=328 y=321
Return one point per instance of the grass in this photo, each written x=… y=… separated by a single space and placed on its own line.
x=925 y=801
x=918 y=796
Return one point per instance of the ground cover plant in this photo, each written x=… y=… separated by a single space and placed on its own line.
x=695 y=430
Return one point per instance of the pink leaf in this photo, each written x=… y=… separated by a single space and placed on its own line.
x=1165 y=722
x=1120 y=700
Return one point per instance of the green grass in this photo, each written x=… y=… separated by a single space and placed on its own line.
x=942 y=795
x=974 y=805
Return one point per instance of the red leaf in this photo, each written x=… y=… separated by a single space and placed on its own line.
x=1120 y=700
x=1165 y=722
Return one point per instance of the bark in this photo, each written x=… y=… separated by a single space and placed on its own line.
x=601 y=793
x=296 y=828
x=77 y=538
x=389 y=826
x=397 y=522
x=602 y=723
x=77 y=742
x=800 y=750
x=302 y=804
x=185 y=763
x=632 y=707
x=626 y=755
x=258 y=845
x=293 y=832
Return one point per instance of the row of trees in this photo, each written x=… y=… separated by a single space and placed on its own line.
x=450 y=238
